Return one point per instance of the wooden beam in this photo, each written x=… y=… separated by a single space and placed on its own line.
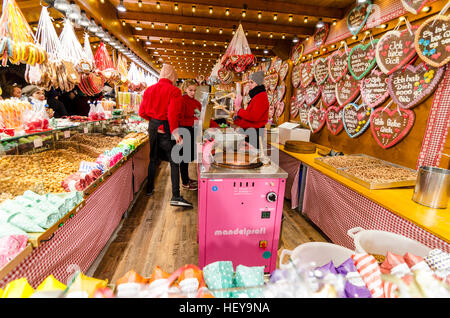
x=310 y=10
x=131 y=16
x=220 y=38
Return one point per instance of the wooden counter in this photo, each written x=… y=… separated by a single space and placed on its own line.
x=398 y=201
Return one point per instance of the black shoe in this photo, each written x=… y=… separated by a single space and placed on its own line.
x=180 y=201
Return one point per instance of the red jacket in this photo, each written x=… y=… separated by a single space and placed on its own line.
x=257 y=113
x=162 y=101
x=188 y=107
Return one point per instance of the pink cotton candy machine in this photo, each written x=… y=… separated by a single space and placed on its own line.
x=240 y=209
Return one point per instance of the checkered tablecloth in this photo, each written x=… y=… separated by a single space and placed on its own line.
x=140 y=166
x=77 y=244
x=335 y=209
x=437 y=125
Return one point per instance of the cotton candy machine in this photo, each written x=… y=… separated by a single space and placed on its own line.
x=240 y=207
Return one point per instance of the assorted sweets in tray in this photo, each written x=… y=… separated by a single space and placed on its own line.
x=370 y=172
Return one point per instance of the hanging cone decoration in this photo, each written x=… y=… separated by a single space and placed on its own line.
x=105 y=65
x=122 y=68
x=17 y=42
x=238 y=56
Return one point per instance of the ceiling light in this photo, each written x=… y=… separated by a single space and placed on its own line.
x=121 y=7
x=100 y=33
x=74 y=12
x=283 y=36
x=83 y=21
x=259 y=34
x=140 y=3
x=227 y=12
x=305 y=20
x=244 y=13
x=220 y=31
x=153 y=25
x=320 y=23
x=307 y=38
x=93 y=28
x=259 y=15
x=158 y=5
x=61 y=5
x=426 y=9
x=167 y=26
x=275 y=17
x=180 y=27
x=210 y=10
x=193 y=9
x=194 y=29
x=334 y=22
x=291 y=18
x=271 y=35
x=207 y=30
x=138 y=26
x=295 y=39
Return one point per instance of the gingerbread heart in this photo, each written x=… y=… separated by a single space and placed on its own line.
x=294 y=107
x=284 y=71
x=347 y=89
x=338 y=65
x=412 y=85
x=395 y=49
x=296 y=75
x=432 y=41
x=312 y=93
x=297 y=53
x=280 y=92
x=279 y=108
x=303 y=112
x=389 y=127
x=300 y=95
x=316 y=119
x=272 y=110
x=374 y=88
x=276 y=65
x=334 y=119
x=320 y=35
x=356 y=119
x=329 y=93
x=358 y=16
x=306 y=74
x=362 y=59
x=273 y=81
x=321 y=70
x=414 y=6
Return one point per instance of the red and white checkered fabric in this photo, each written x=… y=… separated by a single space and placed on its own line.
x=437 y=125
x=335 y=209
x=141 y=161
x=81 y=239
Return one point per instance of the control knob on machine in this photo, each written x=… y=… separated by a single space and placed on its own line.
x=272 y=197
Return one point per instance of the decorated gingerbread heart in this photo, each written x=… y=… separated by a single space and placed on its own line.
x=432 y=41
x=412 y=85
x=306 y=74
x=334 y=119
x=316 y=119
x=276 y=65
x=279 y=108
x=358 y=16
x=296 y=75
x=297 y=53
x=390 y=126
x=312 y=93
x=374 y=88
x=303 y=113
x=338 y=65
x=321 y=70
x=395 y=49
x=280 y=92
x=294 y=107
x=284 y=71
x=320 y=35
x=347 y=89
x=414 y=6
x=329 y=93
x=356 y=119
x=362 y=59
x=300 y=95
x=273 y=81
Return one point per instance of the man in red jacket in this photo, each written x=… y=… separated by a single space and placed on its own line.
x=256 y=115
x=161 y=105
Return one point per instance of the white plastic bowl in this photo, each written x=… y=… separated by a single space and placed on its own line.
x=318 y=253
x=381 y=242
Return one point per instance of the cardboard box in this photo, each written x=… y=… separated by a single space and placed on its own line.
x=292 y=131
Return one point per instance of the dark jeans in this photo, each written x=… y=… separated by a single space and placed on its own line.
x=184 y=166
x=259 y=133
x=160 y=149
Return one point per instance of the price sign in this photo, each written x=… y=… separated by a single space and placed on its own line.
x=67 y=134
x=37 y=143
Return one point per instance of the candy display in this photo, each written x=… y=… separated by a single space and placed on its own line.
x=11 y=111
x=10 y=246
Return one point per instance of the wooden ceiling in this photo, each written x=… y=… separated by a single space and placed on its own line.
x=193 y=34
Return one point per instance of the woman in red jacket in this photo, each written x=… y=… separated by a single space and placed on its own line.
x=190 y=109
x=161 y=105
x=255 y=117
